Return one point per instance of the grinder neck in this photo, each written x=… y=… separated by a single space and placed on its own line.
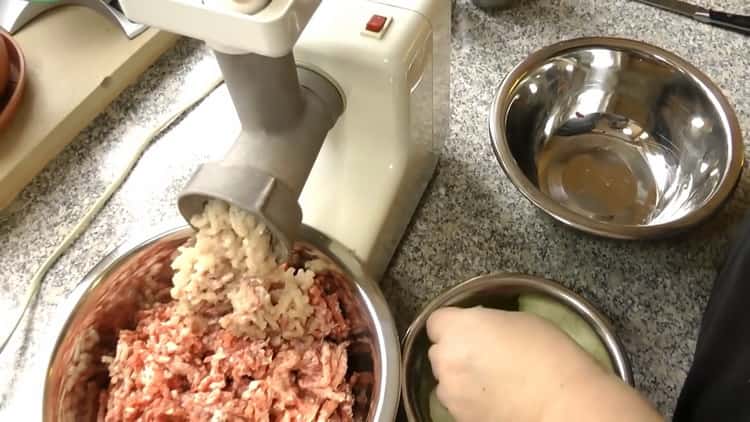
x=266 y=91
x=286 y=113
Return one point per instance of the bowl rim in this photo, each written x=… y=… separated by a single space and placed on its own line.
x=16 y=88
x=385 y=339
x=497 y=128
x=598 y=321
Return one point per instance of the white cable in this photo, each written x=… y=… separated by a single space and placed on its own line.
x=92 y=212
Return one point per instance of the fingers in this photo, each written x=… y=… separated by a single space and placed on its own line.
x=440 y=322
x=444 y=381
x=444 y=324
x=436 y=361
x=442 y=395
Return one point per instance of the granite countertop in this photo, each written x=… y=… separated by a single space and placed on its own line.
x=472 y=220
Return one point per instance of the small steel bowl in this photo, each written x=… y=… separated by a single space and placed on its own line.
x=617 y=138
x=499 y=291
x=106 y=301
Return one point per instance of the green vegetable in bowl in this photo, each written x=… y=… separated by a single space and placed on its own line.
x=438 y=412
x=568 y=321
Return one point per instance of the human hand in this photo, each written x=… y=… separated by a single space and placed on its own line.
x=494 y=365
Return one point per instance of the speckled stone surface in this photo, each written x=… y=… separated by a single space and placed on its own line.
x=472 y=220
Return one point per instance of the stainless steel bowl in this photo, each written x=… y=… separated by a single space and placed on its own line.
x=616 y=137
x=107 y=298
x=496 y=291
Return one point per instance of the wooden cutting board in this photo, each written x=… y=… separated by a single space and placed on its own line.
x=77 y=63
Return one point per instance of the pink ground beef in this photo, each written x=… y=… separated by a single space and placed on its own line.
x=176 y=368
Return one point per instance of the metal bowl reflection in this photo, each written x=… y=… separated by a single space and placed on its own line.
x=616 y=137
x=106 y=301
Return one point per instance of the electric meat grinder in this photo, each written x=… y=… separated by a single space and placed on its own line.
x=344 y=106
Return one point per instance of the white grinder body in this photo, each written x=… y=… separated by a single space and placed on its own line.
x=379 y=157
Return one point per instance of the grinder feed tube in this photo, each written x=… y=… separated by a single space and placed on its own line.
x=286 y=114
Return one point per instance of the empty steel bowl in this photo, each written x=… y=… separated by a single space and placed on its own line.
x=106 y=301
x=616 y=137
x=499 y=291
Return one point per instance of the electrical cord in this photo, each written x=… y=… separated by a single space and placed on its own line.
x=93 y=211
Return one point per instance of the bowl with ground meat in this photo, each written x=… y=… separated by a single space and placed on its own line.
x=206 y=324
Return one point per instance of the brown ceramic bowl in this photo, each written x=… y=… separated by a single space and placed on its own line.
x=4 y=67
x=12 y=91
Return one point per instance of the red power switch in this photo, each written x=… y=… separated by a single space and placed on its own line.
x=376 y=23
